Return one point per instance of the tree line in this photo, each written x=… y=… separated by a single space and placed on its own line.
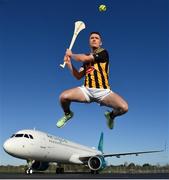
x=123 y=168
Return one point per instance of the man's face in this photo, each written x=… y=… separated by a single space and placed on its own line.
x=95 y=41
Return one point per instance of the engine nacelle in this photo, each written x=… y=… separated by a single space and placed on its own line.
x=96 y=163
x=40 y=166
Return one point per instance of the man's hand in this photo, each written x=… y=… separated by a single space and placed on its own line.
x=67 y=61
x=68 y=53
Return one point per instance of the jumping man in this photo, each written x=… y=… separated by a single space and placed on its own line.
x=96 y=86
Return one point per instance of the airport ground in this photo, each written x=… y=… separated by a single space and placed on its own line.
x=85 y=176
x=124 y=171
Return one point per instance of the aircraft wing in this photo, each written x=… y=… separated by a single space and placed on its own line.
x=130 y=153
x=86 y=158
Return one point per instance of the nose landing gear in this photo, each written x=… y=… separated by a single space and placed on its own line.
x=29 y=171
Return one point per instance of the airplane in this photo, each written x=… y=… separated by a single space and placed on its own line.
x=40 y=149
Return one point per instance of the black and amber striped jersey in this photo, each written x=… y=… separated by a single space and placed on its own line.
x=97 y=72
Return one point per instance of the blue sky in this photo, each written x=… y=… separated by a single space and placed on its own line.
x=34 y=35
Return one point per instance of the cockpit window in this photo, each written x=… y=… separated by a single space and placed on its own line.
x=30 y=136
x=26 y=136
x=19 y=135
x=12 y=135
x=22 y=135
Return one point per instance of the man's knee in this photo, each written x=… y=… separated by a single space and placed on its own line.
x=64 y=96
x=124 y=107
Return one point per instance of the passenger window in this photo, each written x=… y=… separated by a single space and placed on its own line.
x=31 y=136
x=26 y=136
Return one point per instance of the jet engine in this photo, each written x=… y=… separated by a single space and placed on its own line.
x=40 y=166
x=96 y=163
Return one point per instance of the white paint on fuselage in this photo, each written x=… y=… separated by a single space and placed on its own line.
x=46 y=147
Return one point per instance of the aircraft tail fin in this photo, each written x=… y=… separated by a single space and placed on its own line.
x=100 y=145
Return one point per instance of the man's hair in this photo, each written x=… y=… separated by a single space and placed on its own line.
x=95 y=32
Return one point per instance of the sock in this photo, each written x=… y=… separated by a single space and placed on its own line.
x=116 y=112
x=67 y=112
x=112 y=115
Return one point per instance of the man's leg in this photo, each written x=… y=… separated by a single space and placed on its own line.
x=68 y=96
x=118 y=104
x=71 y=95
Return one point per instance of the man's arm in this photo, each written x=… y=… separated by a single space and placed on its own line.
x=83 y=57
x=80 y=57
x=77 y=74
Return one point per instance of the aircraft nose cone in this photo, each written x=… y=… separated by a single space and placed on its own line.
x=10 y=146
x=15 y=148
x=7 y=146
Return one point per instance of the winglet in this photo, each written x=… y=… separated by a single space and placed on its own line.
x=100 y=145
